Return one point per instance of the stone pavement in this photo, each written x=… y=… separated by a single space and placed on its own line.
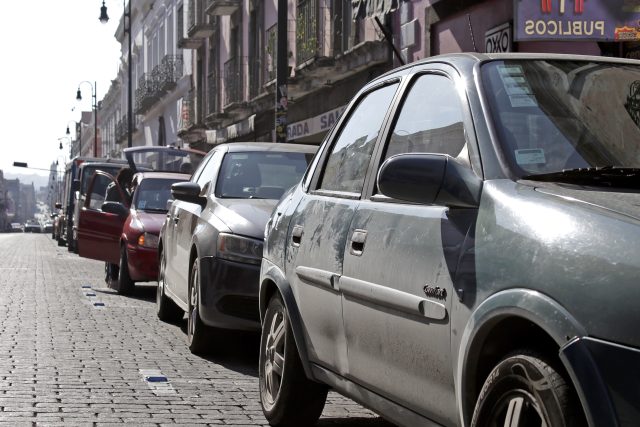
x=65 y=361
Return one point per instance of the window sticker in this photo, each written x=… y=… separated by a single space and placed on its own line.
x=516 y=86
x=530 y=156
x=142 y=204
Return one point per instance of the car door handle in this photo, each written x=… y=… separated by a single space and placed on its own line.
x=176 y=219
x=358 y=239
x=296 y=235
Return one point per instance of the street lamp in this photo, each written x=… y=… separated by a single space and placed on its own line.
x=104 y=18
x=94 y=96
x=67 y=138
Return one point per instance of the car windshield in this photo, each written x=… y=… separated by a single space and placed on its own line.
x=260 y=175
x=152 y=194
x=557 y=115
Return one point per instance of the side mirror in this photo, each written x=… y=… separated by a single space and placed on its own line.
x=115 y=208
x=188 y=192
x=58 y=205
x=429 y=179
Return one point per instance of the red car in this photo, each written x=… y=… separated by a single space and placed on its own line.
x=126 y=236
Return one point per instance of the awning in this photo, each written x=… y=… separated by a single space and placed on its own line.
x=373 y=8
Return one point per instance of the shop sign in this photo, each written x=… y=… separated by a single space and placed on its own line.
x=597 y=20
x=314 y=125
x=498 y=39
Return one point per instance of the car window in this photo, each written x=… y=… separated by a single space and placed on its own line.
x=89 y=170
x=98 y=190
x=260 y=175
x=209 y=172
x=347 y=163
x=430 y=120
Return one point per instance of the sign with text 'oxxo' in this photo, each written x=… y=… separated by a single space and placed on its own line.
x=498 y=39
x=597 y=20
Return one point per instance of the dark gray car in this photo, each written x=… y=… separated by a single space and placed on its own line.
x=211 y=242
x=465 y=250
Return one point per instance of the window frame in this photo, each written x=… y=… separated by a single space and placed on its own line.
x=326 y=150
x=443 y=69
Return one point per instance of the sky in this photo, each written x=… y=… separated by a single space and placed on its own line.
x=49 y=48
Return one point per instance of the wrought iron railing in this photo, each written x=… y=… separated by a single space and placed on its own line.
x=145 y=97
x=171 y=69
x=233 y=81
x=306 y=30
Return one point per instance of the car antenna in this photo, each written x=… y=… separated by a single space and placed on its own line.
x=473 y=39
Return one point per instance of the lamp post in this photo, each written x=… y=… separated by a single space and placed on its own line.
x=94 y=96
x=104 y=18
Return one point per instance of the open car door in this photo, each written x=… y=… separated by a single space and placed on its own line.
x=100 y=223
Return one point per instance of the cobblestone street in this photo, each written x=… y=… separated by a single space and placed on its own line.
x=74 y=355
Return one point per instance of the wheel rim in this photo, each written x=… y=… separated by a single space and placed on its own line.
x=193 y=303
x=518 y=408
x=274 y=357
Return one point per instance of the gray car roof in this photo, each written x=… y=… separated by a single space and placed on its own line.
x=235 y=147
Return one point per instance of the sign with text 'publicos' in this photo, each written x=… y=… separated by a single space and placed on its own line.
x=598 y=20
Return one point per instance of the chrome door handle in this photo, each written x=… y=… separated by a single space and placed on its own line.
x=176 y=219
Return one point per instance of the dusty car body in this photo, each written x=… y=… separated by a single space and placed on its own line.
x=464 y=250
x=211 y=243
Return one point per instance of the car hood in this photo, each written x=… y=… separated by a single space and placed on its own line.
x=624 y=203
x=246 y=217
x=152 y=222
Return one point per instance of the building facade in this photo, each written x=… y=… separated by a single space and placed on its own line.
x=204 y=71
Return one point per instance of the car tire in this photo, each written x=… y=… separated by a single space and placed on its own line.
x=287 y=396
x=167 y=310
x=60 y=242
x=124 y=282
x=199 y=335
x=524 y=389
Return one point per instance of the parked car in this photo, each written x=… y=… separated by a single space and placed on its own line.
x=464 y=250
x=47 y=227
x=211 y=243
x=126 y=236
x=16 y=227
x=32 y=227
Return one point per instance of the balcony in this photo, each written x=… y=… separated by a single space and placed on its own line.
x=170 y=71
x=199 y=27
x=222 y=7
x=121 y=129
x=146 y=94
x=215 y=116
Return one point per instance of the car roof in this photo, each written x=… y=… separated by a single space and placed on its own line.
x=466 y=57
x=235 y=147
x=162 y=175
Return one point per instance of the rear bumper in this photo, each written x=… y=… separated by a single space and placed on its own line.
x=607 y=378
x=229 y=294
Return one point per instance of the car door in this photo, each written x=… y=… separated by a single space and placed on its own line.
x=99 y=232
x=401 y=261
x=184 y=218
x=319 y=225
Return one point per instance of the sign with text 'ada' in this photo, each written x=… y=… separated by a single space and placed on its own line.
x=597 y=20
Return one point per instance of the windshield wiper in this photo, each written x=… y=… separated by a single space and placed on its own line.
x=605 y=176
x=154 y=210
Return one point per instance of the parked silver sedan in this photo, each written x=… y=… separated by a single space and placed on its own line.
x=210 y=245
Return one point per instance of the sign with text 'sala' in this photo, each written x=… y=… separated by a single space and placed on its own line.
x=597 y=20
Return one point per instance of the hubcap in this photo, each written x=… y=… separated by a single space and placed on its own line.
x=518 y=408
x=274 y=357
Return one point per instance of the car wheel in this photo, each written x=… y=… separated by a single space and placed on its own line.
x=124 y=282
x=287 y=396
x=60 y=242
x=167 y=310
x=525 y=390
x=198 y=334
